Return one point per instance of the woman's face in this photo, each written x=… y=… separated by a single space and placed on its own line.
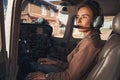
x=84 y=19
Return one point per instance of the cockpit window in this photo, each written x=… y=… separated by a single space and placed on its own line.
x=32 y=11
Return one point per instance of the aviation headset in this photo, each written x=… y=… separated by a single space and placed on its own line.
x=98 y=17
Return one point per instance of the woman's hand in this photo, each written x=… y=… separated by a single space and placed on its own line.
x=46 y=61
x=36 y=76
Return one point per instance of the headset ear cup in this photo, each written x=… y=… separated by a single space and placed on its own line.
x=98 y=18
x=98 y=21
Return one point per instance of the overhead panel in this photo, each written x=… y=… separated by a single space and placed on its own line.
x=109 y=7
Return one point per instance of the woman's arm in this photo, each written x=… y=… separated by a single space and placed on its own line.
x=62 y=65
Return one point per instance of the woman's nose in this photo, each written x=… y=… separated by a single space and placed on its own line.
x=78 y=20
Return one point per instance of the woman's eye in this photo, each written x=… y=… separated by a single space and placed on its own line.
x=76 y=17
x=85 y=17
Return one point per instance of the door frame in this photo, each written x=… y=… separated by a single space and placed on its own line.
x=3 y=52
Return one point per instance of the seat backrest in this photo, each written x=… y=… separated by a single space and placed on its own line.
x=108 y=65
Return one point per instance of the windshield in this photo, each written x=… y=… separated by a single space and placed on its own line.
x=45 y=11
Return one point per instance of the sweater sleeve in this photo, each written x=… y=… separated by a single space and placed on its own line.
x=78 y=64
x=58 y=76
x=61 y=65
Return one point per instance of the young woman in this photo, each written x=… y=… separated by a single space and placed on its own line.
x=82 y=57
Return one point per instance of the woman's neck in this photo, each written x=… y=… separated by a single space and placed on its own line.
x=87 y=33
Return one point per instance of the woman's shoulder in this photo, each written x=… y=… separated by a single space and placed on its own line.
x=94 y=40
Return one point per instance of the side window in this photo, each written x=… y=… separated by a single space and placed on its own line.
x=107 y=27
x=62 y=18
x=76 y=33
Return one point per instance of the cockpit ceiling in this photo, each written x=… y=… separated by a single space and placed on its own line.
x=109 y=7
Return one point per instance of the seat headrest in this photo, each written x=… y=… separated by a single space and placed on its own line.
x=116 y=24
